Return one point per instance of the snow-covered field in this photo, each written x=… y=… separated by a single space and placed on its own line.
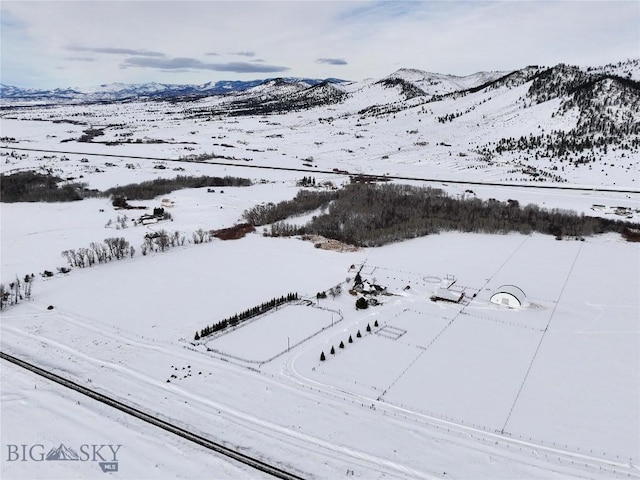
x=125 y=328
x=435 y=390
x=43 y=415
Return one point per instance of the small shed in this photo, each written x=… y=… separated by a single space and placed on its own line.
x=510 y=296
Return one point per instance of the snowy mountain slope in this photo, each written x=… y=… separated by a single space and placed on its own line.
x=627 y=69
x=439 y=84
x=537 y=124
x=274 y=96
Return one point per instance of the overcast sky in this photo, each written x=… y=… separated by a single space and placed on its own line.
x=50 y=44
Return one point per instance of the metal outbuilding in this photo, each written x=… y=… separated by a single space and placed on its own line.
x=510 y=296
x=444 y=294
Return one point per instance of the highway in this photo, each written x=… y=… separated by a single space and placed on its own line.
x=148 y=418
x=338 y=172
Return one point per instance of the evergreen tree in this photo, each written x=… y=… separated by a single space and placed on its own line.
x=197 y=337
x=361 y=303
x=341 y=344
x=375 y=324
x=368 y=328
x=358 y=334
x=322 y=357
x=350 y=339
x=333 y=350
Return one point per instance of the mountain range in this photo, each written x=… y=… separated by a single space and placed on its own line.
x=547 y=123
x=122 y=91
x=412 y=82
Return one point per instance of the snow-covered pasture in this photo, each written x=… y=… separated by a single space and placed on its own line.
x=527 y=371
x=171 y=295
x=473 y=363
x=35 y=234
x=279 y=329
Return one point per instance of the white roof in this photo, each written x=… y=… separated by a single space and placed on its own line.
x=512 y=290
x=446 y=294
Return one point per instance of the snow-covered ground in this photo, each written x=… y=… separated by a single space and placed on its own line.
x=43 y=415
x=126 y=328
x=409 y=138
x=435 y=390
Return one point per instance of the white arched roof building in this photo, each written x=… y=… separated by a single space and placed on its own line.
x=510 y=296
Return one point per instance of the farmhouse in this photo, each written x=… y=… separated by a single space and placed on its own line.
x=367 y=288
x=510 y=296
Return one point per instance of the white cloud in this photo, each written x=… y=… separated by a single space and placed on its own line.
x=332 y=61
x=350 y=39
x=185 y=64
x=116 y=51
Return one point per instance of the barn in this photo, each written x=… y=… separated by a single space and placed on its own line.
x=446 y=295
x=510 y=296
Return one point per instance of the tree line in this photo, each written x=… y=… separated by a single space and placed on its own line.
x=304 y=201
x=374 y=215
x=247 y=314
x=161 y=186
x=15 y=291
x=32 y=186
x=117 y=248
x=112 y=249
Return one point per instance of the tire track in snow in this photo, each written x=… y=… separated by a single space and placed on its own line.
x=489 y=438
x=446 y=327
x=542 y=337
x=292 y=437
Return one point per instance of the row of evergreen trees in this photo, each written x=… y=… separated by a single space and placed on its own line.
x=350 y=340
x=247 y=314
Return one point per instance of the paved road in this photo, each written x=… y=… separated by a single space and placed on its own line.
x=146 y=417
x=333 y=172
